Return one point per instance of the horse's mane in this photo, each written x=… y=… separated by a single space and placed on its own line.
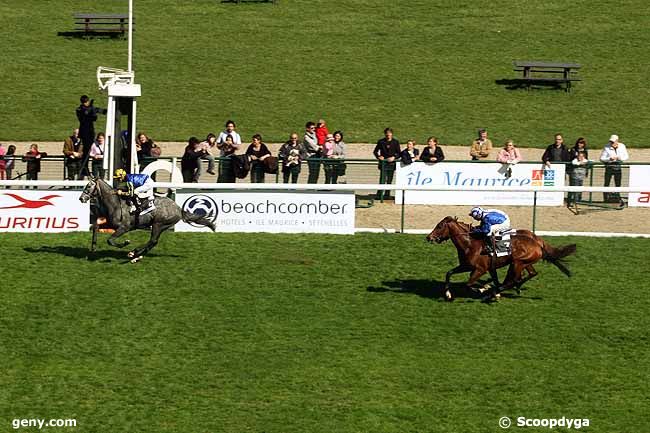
x=465 y=226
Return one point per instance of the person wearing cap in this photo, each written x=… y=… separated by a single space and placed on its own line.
x=493 y=228
x=613 y=155
x=481 y=147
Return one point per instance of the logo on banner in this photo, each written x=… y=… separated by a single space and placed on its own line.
x=543 y=178
x=644 y=197
x=201 y=205
x=30 y=204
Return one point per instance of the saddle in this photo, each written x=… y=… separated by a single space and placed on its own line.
x=502 y=243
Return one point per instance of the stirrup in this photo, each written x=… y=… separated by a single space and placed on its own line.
x=147 y=210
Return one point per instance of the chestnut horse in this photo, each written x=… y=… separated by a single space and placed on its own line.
x=527 y=249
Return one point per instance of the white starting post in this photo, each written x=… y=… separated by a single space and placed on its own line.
x=120 y=150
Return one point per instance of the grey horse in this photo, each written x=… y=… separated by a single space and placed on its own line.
x=108 y=204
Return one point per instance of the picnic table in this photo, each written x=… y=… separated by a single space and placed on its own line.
x=99 y=24
x=556 y=73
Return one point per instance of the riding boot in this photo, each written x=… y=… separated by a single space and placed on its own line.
x=146 y=204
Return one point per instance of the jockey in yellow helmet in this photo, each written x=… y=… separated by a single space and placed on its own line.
x=139 y=186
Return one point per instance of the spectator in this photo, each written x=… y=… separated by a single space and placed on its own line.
x=10 y=160
x=73 y=152
x=3 y=163
x=207 y=145
x=410 y=154
x=334 y=149
x=146 y=149
x=613 y=155
x=97 y=156
x=33 y=159
x=579 y=170
x=433 y=152
x=227 y=147
x=481 y=147
x=291 y=153
x=556 y=152
x=226 y=167
x=190 y=161
x=87 y=115
x=321 y=132
x=581 y=145
x=509 y=156
x=230 y=130
x=257 y=152
x=312 y=152
x=339 y=154
x=387 y=151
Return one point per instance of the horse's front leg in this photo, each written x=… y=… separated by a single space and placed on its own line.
x=93 y=241
x=457 y=270
x=112 y=241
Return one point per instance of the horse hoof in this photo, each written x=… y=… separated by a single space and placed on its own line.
x=136 y=259
x=131 y=254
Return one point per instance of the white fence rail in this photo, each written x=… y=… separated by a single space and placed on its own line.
x=332 y=187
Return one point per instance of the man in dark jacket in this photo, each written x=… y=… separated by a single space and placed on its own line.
x=87 y=115
x=387 y=152
x=556 y=152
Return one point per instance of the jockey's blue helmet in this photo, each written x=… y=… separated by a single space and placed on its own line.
x=476 y=213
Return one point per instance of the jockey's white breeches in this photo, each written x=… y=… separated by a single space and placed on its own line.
x=498 y=228
x=144 y=191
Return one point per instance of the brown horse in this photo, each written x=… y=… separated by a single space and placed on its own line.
x=527 y=249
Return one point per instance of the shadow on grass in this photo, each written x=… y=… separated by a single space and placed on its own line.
x=518 y=83
x=430 y=289
x=85 y=253
x=434 y=289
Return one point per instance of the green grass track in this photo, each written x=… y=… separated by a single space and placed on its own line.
x=314 y=333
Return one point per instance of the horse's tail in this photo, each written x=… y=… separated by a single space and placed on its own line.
x=555 y=255
x=190 y=217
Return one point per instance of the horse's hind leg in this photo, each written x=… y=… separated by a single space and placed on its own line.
x=531 y=273
x=156 y=231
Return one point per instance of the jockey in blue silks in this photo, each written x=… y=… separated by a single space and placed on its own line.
x=493 y=223
x=137 y=185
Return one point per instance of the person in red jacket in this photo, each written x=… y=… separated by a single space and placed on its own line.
x=321 y=132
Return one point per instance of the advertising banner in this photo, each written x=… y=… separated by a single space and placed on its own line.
x=640 y=178
x=42 y=211
x=467 y=176
x=272 y=212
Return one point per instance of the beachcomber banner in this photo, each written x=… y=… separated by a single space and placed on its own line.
x=272 y=212
x=42 y=211
x=640 y=177
x=467 y=176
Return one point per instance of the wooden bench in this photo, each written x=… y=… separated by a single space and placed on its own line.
x=555 y=73
x=101 y=24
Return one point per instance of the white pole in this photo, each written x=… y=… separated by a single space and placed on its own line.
x=130 y=65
